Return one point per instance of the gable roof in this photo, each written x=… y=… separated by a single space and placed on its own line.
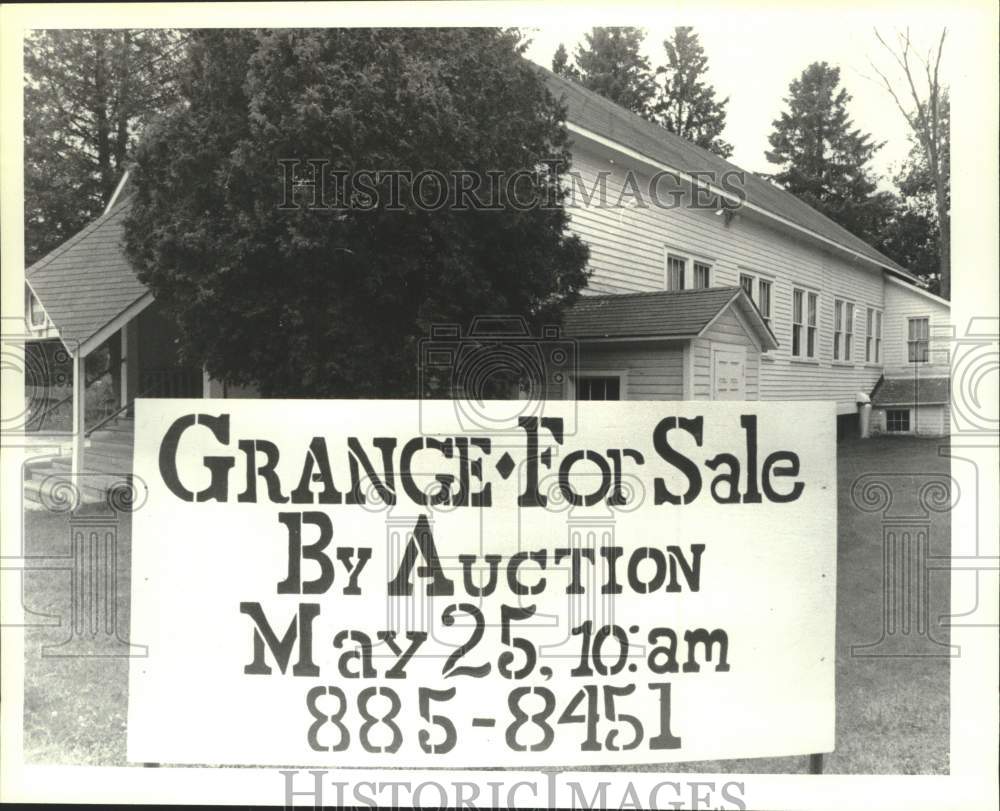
x=908 y=391
x=596 y=114
x=86 y=282
x=665 y=314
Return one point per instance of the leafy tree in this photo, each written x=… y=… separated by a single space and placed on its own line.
x=824 y=158
x=912 y=235
x=686 y=105
x=928 y=114
x=609 y=63
x=561 y=65
x=86 y=95
x=307 y=300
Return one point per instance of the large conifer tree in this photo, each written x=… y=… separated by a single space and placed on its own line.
x=686 y=104
x=824 y=159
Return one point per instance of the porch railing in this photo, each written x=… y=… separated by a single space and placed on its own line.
x=158 y=383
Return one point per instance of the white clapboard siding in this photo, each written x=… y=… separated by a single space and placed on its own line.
x=649 y=371
x=627 y=247
x=728 y=329
x=930 y=419
x=901 y=304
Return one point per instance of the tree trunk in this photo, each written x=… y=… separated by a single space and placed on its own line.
x=101 y=81
x=944 y=241
x=122 y=108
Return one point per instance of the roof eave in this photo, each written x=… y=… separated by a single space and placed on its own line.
x=634 y=154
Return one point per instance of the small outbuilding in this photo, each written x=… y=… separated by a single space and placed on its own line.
x=911 y=405
x=702 y=344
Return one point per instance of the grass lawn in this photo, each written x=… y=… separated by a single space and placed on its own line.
x=892 y=712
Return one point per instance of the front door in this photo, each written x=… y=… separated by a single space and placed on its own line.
x=729 y=373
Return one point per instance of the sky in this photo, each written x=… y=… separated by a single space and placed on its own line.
x=754 y=58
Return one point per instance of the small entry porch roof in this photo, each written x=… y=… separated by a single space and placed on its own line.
x=661 y=314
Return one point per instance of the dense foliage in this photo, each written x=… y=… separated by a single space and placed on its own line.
x=824 y=159
x=303 y=300
x=86 y=95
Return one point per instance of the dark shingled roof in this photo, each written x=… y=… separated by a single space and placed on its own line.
x=593 y=112
x=907 y=391
x=87 y=281
x=659 y=314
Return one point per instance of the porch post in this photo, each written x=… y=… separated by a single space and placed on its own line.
x=79 y=412
x=130 y=362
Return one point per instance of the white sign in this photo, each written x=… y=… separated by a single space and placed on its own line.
x=367 y=583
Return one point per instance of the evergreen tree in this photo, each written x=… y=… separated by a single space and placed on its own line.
x=824 y=158
x=686 y=105
x=609 y=63
x=322 y=298
x=86 y=95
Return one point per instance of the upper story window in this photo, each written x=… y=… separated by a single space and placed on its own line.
x=676 y=265
x=918 y=339
x=804 y=306
x=843 y=329
x=764 y=300
x=763 y=297
x=36 y=315
x=873 y=336
x=676 y=276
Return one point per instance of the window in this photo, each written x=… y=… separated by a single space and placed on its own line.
x=897 y=421
x=675 y=272
x=843 y=329
x=36 y=315
x=838 y=326
x=702 y=275
x=598 y=388
x=873 y=335
x=804 y=306
x=797 y=296
x=813 y=300
x=764 y=305
x=848 y=329
x=918 y=337
x=763 y=299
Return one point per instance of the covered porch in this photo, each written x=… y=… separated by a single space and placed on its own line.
x=102 y=342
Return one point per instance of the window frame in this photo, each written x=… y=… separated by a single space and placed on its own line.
x=770 y=299
x=807 y=325
x=812 y=321
x=690 y=259
x=757 y=279
x=34 y=305
x=669 y=254
x=873 y=335
x=892 y=417
x=599 y=374
x=798 y=320
x=838 y=326
x=850 y=313
x=915 y=345
x=697 y=265
x=844 y=313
